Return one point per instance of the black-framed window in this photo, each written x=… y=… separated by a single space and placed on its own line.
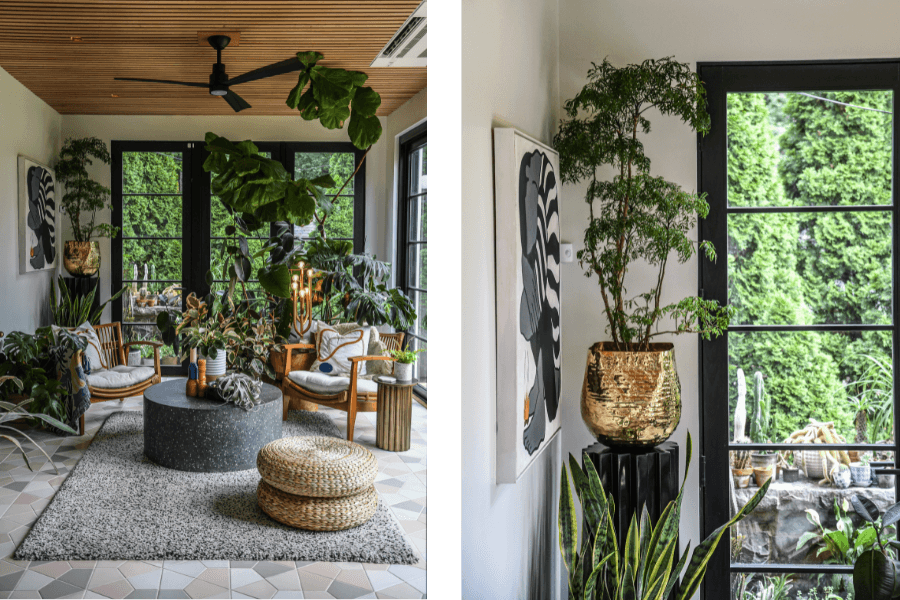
x=173 y=227
x=412 y=244
x=799 y=167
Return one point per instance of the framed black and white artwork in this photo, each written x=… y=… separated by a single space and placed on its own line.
x=527 y=254
x=38 y=222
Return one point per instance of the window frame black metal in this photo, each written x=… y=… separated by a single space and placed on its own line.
x=720 y=79
x=408 y=143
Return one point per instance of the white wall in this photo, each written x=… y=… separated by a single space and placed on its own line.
x=28 y=126
x=630 y=31
x=411 y=114
x=509 y=71
x=237 y=127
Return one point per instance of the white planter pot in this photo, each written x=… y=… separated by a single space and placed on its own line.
x=215 y=366
x=134 y=358
x=403 y=371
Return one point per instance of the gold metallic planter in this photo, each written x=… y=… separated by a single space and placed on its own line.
x=81 y=259
x=631 y=399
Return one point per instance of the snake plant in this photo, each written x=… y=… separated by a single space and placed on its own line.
x=645 y=568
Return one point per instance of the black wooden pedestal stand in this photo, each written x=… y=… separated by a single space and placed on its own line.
x=80 y=287
x=636 y=479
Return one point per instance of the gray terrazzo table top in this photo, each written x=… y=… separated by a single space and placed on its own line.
x=196 y=434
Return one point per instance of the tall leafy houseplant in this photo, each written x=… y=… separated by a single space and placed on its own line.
x=876 y=573
x=645 y=568
x=83 y=198
x=636 y=216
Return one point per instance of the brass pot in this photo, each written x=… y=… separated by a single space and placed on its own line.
x=631 y=399
x=81 y=259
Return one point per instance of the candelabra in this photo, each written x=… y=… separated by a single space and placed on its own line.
x=301 y=294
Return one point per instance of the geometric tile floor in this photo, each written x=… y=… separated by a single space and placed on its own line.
x=24 y=494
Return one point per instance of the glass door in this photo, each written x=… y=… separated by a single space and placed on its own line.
x=799 y=170
x=151 y=257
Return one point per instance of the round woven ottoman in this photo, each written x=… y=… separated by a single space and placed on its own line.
x=319 y=483
x=323 y=467
x=317 y=514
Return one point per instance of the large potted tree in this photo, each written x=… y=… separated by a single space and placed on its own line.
x=631 y=395
x=83 y=198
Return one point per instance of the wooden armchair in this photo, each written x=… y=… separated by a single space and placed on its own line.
x=350 y=399
x=113 y=352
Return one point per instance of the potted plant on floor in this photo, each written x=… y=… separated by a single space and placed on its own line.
x=635 y=217
x=83 y=198
x=645 y=567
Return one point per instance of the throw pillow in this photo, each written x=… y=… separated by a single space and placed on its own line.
x=378 y=367
x=92 y=350
x=333 y=351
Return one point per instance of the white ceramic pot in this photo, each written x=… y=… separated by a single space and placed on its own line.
x=841 y=477
x=215 y=366
x=403 y=371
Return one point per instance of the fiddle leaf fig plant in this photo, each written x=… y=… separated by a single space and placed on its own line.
x=636 y=216
x=333 y=96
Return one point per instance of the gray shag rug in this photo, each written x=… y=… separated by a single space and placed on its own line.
x=118 y=505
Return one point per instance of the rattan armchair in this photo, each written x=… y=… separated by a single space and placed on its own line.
x=350 y=400
x=113 y=352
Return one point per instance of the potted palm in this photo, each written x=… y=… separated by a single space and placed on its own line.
x=83 y=198
x=635 y=217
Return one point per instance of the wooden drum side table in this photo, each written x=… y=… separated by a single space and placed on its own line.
x=394 y=419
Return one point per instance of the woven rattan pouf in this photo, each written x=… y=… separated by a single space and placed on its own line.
x=319 y=483
x=324 y=467
x=317 y=514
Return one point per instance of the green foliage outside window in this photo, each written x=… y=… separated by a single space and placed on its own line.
x=809 y=268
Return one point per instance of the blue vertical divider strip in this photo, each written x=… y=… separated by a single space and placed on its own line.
x=444 y=289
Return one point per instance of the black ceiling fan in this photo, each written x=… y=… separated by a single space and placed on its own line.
x=219 y=83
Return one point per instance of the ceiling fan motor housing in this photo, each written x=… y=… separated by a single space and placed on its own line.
x=217 y=85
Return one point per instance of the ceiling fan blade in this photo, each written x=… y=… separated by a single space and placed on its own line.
x=235 y=101
x=187 y=83
x=279 y=68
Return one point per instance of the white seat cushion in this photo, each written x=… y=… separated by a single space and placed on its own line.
x=119 y=377
x=328 y=385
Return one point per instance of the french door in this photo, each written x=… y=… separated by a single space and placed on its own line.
x=799 y=166
x=173 y=229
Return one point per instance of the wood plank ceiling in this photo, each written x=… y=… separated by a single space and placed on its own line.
x=158 y=39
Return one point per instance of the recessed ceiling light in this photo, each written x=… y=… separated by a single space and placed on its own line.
x=76 y=38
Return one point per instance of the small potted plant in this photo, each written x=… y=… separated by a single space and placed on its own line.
x=740 y=468
x=791 y=473
x=403 y=362
x=861 y=472
x=840 y=475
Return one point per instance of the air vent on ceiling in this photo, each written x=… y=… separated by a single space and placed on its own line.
x=408 y=47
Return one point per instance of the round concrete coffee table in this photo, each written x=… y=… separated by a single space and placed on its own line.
x=209 y=436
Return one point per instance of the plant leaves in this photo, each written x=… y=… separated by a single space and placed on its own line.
x=568 y=526
x=876 y=577
x=276 y=279
x=365 y=101
x=891 y=515
x=865 y=508
x=364 y=131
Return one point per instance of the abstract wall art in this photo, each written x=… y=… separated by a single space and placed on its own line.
x=37 y=216
x=527 y=254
